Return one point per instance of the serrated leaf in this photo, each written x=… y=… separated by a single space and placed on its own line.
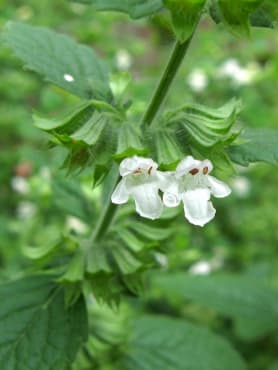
x=135 y=8
x=37 y=331
x=230 y=295
x=185 y=15
x=258 y=145
x=161 y=343
x=60 y=60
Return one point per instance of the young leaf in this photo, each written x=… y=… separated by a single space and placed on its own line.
x=60 y=60
x=135 y=8
x=258 y=145
x=161 y=343
x=37 y=331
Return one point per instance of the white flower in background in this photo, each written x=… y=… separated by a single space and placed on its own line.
x=193 y=186
x=197 y=80
x=241 y=186
x=75 y=224
x=229 y=68
x=123 y=60
x=142 y=182
x=20 y=185
x=25 y=12
x=26 y=210
x=200 y=268
x=161 y=259
x=240 y=75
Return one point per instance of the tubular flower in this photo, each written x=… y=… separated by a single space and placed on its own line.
x=142 y=182
x=193 y=186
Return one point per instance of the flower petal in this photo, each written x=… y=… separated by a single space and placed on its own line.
x=129 y=165
x=186 y=165
x=198 y=209
x=147 y=201
x=171 y=195
x=120 y=194
x=218 y=188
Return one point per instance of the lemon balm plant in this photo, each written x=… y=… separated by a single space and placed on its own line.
x=159 y=161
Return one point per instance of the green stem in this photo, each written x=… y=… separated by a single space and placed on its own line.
x=161 y=91
x=106 y=218
x=176 y=58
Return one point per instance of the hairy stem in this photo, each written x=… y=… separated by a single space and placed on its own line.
x=176 y=58
x=156 y=102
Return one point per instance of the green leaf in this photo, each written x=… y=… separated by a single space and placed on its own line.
x=266 y=15
x=129 y=141
x=230 y=295
x=60 y=60
x=236 y=14
x=112 y=256
x=166 y=148
x=150 y=232
x=69 y=197
x=185 y=15
x=135 y=8
x=160 y=343
x=205 y=126
x=257 y=14
x=258 y=145
x=36 y=253
x=89 y=134
x=37 y=332
x=250 y=330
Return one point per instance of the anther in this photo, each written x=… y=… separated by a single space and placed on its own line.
x=150 y=170
x=194 y=171
x=205 y=170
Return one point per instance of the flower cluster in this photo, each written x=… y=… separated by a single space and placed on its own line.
x=190 y=184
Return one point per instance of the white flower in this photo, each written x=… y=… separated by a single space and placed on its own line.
x=241 y=186
x=141 y=181
x=20 y=185
x=26 y=210
x=197 y=80
x=75 y=224
x=201 y=268
x=240 y=75
x=123 y=60
x=193 y=186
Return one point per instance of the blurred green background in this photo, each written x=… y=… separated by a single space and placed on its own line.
x=37 y=201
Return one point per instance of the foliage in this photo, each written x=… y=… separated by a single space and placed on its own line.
x=89 y=118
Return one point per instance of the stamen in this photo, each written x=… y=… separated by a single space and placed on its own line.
x=137 y=171
x=194 y=171
x=205 y=170
x=150 y=170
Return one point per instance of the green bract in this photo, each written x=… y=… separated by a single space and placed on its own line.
x=185 y=15
x=239 y=15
